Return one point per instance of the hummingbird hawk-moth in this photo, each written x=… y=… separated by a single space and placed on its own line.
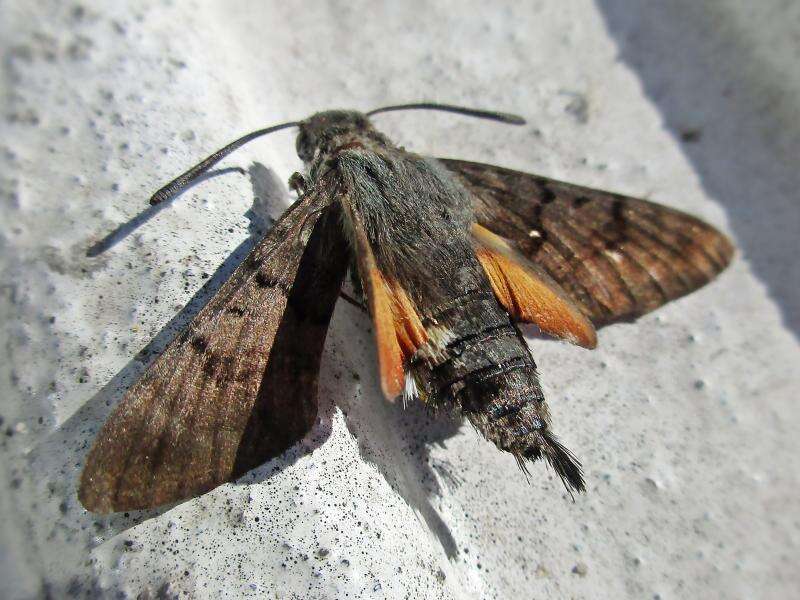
x=450 y=255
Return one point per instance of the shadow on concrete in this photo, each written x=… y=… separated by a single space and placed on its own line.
x=735 y=119
x=397 y=440
x=127 y=228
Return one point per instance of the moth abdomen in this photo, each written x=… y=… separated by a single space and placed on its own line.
x=504 y=410
x=516 y=419
x=490 y=375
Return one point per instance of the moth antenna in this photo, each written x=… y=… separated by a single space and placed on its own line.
x=461 y=110
x=181 y=181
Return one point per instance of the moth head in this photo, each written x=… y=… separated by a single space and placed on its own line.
x=318 y=131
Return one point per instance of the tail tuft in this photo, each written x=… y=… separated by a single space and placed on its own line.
x=563 y=462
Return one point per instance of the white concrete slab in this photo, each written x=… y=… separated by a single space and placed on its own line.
x=685 y=421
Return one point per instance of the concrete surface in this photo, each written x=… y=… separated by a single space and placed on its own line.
x=686 y=421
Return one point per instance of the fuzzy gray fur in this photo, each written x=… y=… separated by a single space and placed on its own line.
x=417 y=218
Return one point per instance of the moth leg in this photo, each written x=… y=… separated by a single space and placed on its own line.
x=355 y=280
x=348 y=298
x=297 y=183
x=357 y=299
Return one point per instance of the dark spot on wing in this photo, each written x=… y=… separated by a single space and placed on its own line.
x=228 y=371
x=199 y=343
x=252 y=262
x=222 y=368
x=580 y=201
x=537 y=215
x=265 y=281
x=548 y=195
x=211 y=362
x=616 y=210
x=244 y=375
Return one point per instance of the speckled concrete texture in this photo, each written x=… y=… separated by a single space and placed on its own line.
x=686 y=421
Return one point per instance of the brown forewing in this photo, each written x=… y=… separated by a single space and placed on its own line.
x=238 y=385
x=617 y=257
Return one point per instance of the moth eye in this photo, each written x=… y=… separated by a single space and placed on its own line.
x=304 y=146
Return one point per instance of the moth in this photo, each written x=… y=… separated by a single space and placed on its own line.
x=450 y=255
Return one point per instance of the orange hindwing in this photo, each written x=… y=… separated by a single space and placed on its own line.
x=398 y=327
x=528 y=293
